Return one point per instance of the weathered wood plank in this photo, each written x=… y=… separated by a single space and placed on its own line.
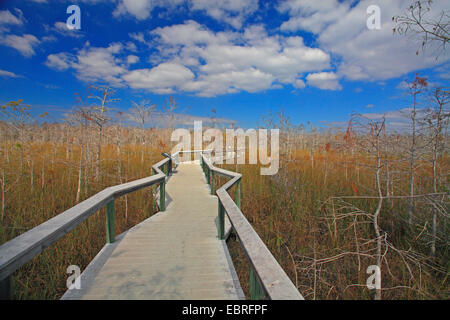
x=174 y=254
x=275 y=281
x=18 y=251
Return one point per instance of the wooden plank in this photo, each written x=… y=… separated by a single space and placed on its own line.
x=174 y=254
x=18 y=251
x=265 y=269
x=23 y=248
x=275 y=281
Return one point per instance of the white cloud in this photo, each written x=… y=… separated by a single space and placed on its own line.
x=61 y=28
x=92 y=64
x=138 y=36
x=324 y=80
x=299 y=84
x=25 y=44
x=160 y=79
x=232 y=12
x=140 y=9
x=131 y=59
x=191 y=58
x=250 y=80
x=8 y=74
x=61 y=61
x=311 y=15
x=227 y=62
x=6 y=17
x=364 y=54
x=100 y=65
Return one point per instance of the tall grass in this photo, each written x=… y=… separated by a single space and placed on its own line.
x=46 y=188
x=325 y=242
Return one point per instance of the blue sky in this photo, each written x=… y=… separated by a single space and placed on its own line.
x=315 y=60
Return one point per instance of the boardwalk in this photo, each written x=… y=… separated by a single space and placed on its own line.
x=175 y=254
x=178 y=253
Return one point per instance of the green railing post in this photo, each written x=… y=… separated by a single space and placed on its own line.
x=6 y=288
x=162 y=196
x=238 y=194
x=221 y=221
x=153 y=191
x=110 y=222
x=212 y=182
x=256 y=291
x=169 y=166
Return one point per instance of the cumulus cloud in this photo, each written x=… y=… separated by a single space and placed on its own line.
x=324 y=80
x=140 y=9
x=61 y=28
x=131 y=59
x=60 y=61
x=232 y=12
x=311 y=15
x=25 y=44
x=7 y=18
x=228 y=62
x=191 y=58
x=92 y=64
x=364 y=54
x=160 y=79
x=8 y=74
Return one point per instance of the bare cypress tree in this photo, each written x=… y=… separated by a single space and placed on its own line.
x=416 y=87
x=100 y=117
x=437 y=120
x=418 y=20
x=141 y=114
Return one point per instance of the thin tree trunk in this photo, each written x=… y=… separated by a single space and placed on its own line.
x=99 y=148
x=412 y=165
x=376 y=216
x=79 y=174
x=31 y=176
x=3 y=193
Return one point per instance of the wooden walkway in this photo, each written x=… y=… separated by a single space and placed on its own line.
x=175 y=254
x=178 y=253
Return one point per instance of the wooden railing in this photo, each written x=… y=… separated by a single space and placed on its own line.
x=267 y=279
x=20 y=250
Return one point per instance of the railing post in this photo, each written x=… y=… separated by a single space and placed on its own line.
x=212 y=182
x=256 y=291
x=221 y=220
x=169 y=167
x=6 y=288
x=238 y=194
x=153 y=191
x=110 y=237
x=162 y=196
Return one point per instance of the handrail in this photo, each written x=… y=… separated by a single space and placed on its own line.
x=21 y=249
x=267 y=278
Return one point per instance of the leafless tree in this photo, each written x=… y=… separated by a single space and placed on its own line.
x=18 y=117
x=416 y=88
x=141 y=114
x=418 y=21
x=100 y=117
x=437 y=119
